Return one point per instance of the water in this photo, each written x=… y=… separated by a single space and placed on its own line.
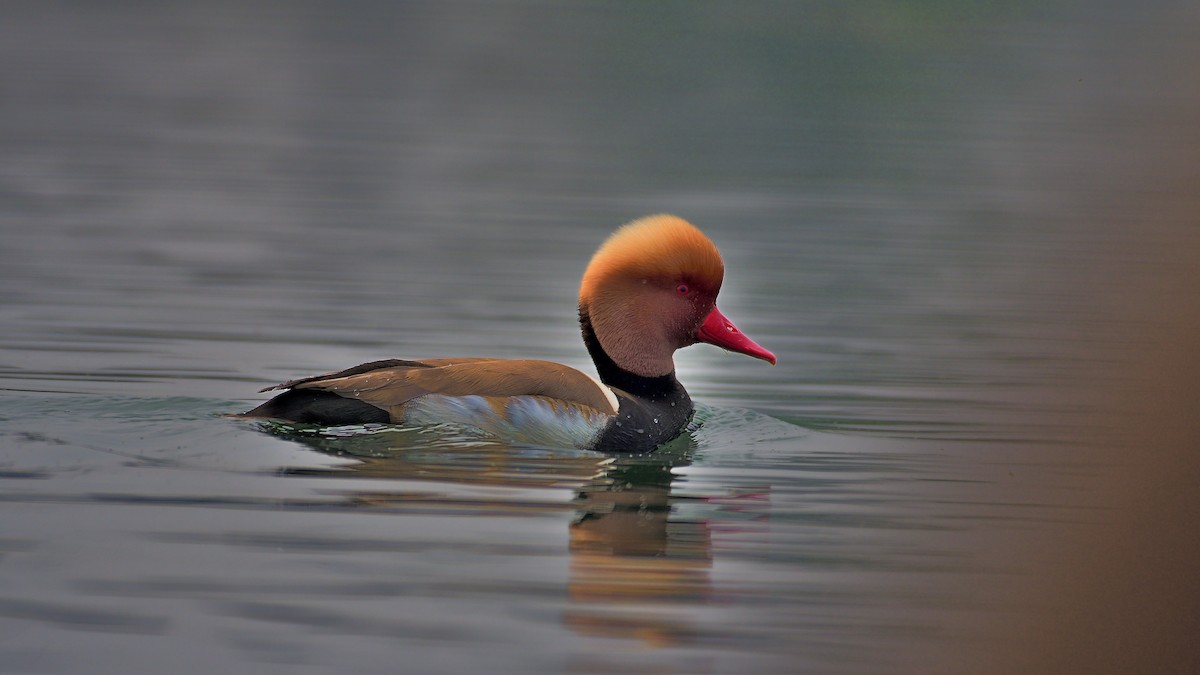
x=197 y=202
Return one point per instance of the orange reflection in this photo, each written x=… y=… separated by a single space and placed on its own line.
x=626 y=551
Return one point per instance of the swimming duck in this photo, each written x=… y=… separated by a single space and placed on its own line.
x=650 y=289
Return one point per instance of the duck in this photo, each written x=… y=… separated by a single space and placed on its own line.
x=649 y=290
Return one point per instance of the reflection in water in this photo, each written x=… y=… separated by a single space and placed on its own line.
x=634 y=560
x=626 y=550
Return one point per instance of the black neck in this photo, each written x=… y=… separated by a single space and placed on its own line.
x=661 y=387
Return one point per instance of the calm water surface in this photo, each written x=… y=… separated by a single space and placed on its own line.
x=198 y=201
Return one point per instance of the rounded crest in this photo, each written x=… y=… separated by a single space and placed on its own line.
x=656 y=247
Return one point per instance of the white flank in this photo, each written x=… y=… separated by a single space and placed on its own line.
x=530 y=420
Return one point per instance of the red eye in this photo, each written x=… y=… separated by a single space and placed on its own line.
x=682 y=289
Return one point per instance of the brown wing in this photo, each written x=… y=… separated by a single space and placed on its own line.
x=394 y=384
x=367 y=367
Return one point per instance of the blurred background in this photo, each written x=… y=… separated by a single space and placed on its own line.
x=968 y=230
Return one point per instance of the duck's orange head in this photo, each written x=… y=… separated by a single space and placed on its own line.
x=651 y=289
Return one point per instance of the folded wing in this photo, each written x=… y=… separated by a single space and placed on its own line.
x=391 y=384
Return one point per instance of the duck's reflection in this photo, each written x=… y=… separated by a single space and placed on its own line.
x=634 y=562
x=627 y=551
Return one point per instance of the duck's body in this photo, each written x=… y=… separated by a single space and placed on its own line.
x=536 y=402
x=649 y=290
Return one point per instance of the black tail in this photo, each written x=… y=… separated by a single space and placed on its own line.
x=320 y=407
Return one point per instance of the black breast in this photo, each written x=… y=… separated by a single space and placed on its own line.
x=645 y=422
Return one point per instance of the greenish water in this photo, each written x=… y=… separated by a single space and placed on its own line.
x=199 y=201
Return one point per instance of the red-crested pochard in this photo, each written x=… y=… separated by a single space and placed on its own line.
x=649 y=290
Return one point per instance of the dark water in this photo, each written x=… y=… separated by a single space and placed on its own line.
x=200 y=200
